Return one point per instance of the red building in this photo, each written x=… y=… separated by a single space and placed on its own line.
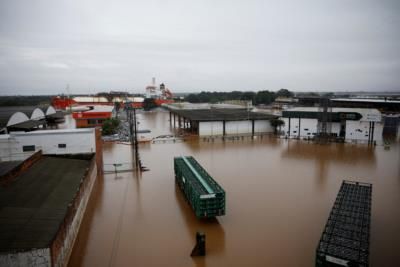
x=92 y=117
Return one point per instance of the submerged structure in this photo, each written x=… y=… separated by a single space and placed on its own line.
x=345 y=239
x=203 y=193
x=346 y=124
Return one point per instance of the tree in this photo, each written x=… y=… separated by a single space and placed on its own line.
x=117 y=106
x=110 y=126
x=284 y=93
x=264 y=97
x=277 y=124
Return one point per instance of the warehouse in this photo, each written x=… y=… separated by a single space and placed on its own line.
x=41 y=209
x=93 y=117
x=348 y=124
x=43 y=196
x=221 y=122
x=20 y=145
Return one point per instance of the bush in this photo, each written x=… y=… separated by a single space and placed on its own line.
x=110 y=126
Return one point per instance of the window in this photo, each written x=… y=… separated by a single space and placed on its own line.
x=62 y=145
x=28 y=148
x=305 y=129
x=294 y=131
x=92 y=121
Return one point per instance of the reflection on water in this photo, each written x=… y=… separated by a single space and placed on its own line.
x=278 y=192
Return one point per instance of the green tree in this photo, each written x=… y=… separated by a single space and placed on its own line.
x=110 y=126
x=284 y=93
x=277 y=124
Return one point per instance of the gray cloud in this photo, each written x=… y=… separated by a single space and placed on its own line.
x=198 y=45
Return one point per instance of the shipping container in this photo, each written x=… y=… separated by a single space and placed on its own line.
x=345 y=239
x=204 y=194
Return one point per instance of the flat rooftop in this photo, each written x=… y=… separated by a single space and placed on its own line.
x=34 y=205
x=222 y=114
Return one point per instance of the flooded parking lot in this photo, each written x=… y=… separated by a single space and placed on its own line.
x=279 y=195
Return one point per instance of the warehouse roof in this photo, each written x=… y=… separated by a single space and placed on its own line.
x=222 y=114
x=31 y=112
x=34 y=205
x=7 y=166
x=27 y=125
x=371 y=100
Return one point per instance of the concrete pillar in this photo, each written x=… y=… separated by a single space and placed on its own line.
x=299 y=127
x=252 y=128
x=99 y=150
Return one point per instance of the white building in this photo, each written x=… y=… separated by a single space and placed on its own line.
x=349 y=124
x=221 y=122
x=20 y=145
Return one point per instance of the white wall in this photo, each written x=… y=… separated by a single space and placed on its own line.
x=77 y=141
x=359 y=131
x=308 y=127
x=208 y=128
x=238 y=127
x=16 y=118
x=263 y=126
x=37 y=114
x=234 y=127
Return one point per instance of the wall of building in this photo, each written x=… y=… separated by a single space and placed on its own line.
x=63 y=243
x=355 y=130
x=31 y=258
x=308 y=127
x=359 y=131
x=89 y=123
x=263 y=126
x=76 y=141
x=238 y=127
x=208 y=128
x=234 y=127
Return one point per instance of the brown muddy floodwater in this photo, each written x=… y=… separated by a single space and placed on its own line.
x=279 y=195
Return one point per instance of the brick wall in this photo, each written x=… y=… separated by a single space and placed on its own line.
x=62 y=245
x=10 y=176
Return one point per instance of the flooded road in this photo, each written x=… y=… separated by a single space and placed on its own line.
x=279 y=195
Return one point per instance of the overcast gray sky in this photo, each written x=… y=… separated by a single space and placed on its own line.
x=97 y=45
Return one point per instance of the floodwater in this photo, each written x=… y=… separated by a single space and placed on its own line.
x=279 y=195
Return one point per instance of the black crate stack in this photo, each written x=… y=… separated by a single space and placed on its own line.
x=345 y=239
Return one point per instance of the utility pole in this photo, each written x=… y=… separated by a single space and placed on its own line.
x=131 y=116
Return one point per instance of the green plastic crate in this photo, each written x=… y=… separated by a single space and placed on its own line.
x=204 y=194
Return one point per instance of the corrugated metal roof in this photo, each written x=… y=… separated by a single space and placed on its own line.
x=34 y=205
x=222 y=114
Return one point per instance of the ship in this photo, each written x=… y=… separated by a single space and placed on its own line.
x=159 y=94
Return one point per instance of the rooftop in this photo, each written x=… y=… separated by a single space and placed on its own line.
x=371 y=100
x=34 y=205
x=222 y=114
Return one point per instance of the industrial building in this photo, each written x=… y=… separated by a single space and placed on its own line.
x=221 y=122
x=28 y=118
x=43 y=196
x=20 y=145
x=347 y=124
x=92 y=117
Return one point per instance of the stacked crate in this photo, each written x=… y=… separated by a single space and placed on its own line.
x=204 y=194
x=345 y=239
